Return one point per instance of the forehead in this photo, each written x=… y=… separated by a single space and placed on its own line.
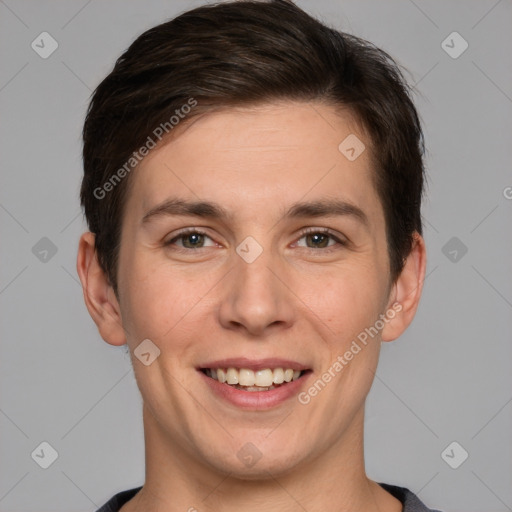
x=268 y=154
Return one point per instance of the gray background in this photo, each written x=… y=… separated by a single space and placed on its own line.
x=447 y=379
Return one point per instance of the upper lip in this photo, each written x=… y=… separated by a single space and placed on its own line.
x=255 y=364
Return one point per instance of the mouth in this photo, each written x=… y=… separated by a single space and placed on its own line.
x=254 y=384
x=249 y=380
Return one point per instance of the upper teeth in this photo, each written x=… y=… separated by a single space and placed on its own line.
x=246 y=377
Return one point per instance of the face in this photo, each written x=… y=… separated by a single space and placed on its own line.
x=283 y=269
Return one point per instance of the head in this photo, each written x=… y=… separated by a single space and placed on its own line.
x=302 y=152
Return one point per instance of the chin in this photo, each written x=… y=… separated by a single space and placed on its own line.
x=250 y=463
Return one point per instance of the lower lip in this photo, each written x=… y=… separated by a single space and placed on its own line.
x=256 y=400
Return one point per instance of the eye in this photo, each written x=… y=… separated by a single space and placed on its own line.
x=320 y=239
x=190 y=239
x=315 y=238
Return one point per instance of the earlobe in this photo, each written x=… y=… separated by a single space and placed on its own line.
x=99 y=296
x=407 y=290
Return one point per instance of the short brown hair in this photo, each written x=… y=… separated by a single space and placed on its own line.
x=248 y=53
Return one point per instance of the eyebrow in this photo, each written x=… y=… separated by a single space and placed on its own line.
x=212 y=210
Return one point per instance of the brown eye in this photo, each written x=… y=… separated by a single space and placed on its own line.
x=192 y=239
x=320 y=239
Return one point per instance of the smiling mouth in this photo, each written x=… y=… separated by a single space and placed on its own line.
x=259 y=380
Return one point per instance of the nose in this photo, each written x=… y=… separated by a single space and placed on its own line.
x=255 y=296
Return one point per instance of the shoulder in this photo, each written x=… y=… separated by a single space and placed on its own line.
x=117 y=501
x=410 y=502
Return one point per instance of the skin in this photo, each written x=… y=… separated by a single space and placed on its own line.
x=297 y=300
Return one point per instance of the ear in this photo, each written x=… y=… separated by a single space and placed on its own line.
x=99 y=295
x=406 y=292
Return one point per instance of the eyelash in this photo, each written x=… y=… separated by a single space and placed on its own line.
x=308 y=231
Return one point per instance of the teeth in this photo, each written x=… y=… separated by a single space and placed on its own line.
x=221 y=375
x=264 y=378
x=278 y=376
x=245 y=377
x=249 y=380
x=255 y=388
x=232 y=376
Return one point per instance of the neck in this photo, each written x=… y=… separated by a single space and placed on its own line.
x=334 y=480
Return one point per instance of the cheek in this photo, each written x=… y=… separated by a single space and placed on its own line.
x=346 y=299
x=159 y=300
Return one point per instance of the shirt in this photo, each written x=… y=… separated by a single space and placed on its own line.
x=410 y=502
